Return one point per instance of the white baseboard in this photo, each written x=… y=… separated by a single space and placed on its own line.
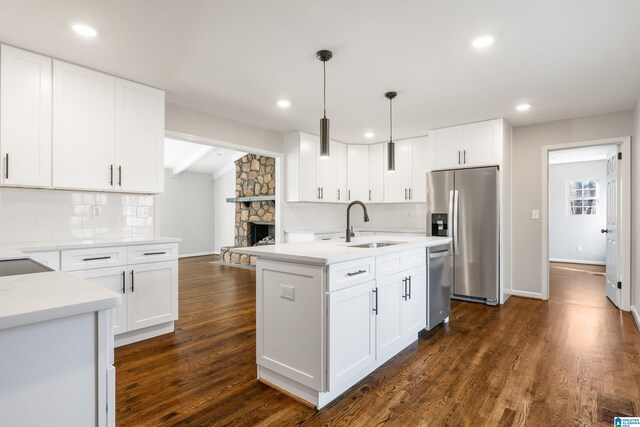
x=636 y=316
x=526 y=294
x=144 y=334
x=198 y=254
x=577 y=261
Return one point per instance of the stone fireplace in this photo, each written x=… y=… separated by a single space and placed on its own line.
x=255 y=206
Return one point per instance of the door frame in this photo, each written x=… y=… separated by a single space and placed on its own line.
x=238 y=147
x=625 y=212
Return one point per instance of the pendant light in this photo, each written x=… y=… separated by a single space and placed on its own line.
x=324 y=56
x=391 y=147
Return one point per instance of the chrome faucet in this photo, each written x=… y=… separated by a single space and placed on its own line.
x=366 y=217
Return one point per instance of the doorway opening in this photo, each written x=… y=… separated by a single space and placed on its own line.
x=219 y=197
x=586 y=217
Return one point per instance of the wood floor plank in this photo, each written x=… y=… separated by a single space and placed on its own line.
x=528 y=362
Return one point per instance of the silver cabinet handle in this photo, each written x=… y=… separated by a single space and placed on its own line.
x=154 y=253
x=375 y=307
x=110 y=174
x=132 y=281
x=404 y=289
x=120 y=176
x=439 y=254
x=349 y=195
x=464 y=157
x=96 y=258
x=338 y=194
x=356 y=273
x=123 y=286
x=458 y=156
x=409 y=287
x=6 y=169
x=369 y=195
x=410 y=196
x=405 y=194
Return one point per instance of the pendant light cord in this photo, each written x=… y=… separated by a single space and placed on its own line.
x=390 y=120
x=324 y=86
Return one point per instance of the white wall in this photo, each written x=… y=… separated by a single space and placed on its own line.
x=224 y=213
x=527 y=187
x=635 y=215
x=36 y=215
x=185 y=210
x=225 y=131
x=566 y=231
x=329 y=216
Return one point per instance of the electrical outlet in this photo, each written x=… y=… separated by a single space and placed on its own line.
x=287 y=292
x=142 y=212
x=579 y=248
x=535 y=214
x=97 y=210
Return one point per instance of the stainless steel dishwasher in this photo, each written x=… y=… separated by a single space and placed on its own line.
x=439 y=263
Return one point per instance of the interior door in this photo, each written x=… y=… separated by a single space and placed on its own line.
x=613 y=218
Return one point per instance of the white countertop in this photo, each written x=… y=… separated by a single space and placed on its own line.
x=57 y=245
x=336 y=250
x=360 y=230
x=38 y=297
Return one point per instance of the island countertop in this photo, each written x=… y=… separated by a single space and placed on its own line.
x=336 y=250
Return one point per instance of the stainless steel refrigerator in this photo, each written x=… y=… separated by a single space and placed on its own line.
x=464 y=205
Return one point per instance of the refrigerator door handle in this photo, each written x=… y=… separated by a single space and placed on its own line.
x=455 y=224
x=451 y=230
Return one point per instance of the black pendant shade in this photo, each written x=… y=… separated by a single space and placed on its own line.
x=391 y=147
x=325 y=140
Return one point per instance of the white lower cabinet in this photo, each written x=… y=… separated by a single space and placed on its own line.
x=317 y=348
x=153 y=294
x=352 y=332
x=113 y=278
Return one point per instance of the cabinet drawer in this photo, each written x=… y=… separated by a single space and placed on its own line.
x=85 y=259
x=139 y=254
x=398 y=261
x=350 y=273
x=49 y=258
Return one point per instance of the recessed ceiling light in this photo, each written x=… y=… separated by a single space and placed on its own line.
x=84 y=30
x=483 y=41
x=283 y=103
x=369 y=134
x=523 y=107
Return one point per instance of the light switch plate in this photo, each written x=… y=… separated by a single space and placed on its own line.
x=288 y=292
x=579 y=248
x=535 y=214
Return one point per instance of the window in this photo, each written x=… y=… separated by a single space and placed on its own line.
x=583 y=197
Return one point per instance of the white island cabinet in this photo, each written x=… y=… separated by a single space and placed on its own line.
x=329 y=313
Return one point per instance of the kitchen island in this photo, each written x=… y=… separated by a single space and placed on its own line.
x=328 y=313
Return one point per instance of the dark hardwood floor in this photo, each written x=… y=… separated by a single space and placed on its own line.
x=571 y=361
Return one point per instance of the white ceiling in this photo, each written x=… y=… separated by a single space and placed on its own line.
x=567 y=58
x=583 y=154
x=181 y=156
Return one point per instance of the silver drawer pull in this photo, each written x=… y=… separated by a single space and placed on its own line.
x=96 y=258
x=356 y=273
x=155 y=253
x=439 y=254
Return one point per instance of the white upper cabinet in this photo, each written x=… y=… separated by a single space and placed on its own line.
x=309 y=178
x=139 y=146
x=398 y=184
x=341 y=172
x=358 y=172
x=419 y=169
x=475 y=144
x=376 y=173
x=83 y=128
x=25 y=122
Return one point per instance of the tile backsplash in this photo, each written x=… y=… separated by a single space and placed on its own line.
x=33 y=215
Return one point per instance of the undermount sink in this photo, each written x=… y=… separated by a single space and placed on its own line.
x=374 y=245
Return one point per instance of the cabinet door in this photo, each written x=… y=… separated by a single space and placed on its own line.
x=83 y=128
x=448 y=146
x=351 y=332
x=376 y=173
x=306 y=173
x=479 y=143
x=25 y=122
x=414 y=304
x=326 y=174
x=139 y=125
x=388 y=318
x=341 y=172
x=420 y=167
x=152 y=293
x=398 y=183
x=358 y=161
x=113 y=278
